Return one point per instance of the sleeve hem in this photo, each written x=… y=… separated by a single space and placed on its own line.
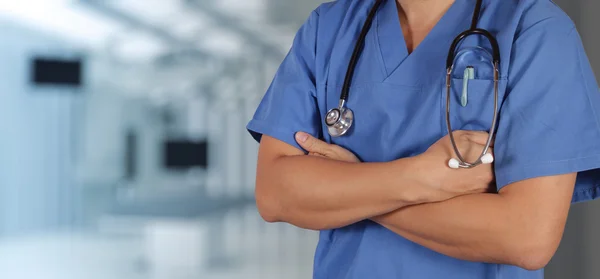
x=515 y=174
x=257 y=128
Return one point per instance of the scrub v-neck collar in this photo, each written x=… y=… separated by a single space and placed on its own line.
x=392 y=44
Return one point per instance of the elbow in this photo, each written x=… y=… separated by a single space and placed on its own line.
x=268 y=214
x=535 y=254
x=534 y=261
x=270 y=205
x=267 y=205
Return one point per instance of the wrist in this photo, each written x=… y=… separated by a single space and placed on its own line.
x=412 y=184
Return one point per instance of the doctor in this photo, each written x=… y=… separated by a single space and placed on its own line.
x=386 y=202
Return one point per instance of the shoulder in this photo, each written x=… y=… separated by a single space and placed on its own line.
x=339 y=12
x=336 y=18
x=523 y=15
x=334 y=13
x=343 y=7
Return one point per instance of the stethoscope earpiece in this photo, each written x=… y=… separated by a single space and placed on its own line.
x=454 y=163
x=339 y=120
x=485 y=160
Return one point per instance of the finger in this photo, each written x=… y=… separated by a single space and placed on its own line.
x=316 y=154
x=310 y=143
x=479 y=137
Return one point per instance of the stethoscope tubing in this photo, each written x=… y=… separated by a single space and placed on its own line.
x=339 y=120
x=491 y=133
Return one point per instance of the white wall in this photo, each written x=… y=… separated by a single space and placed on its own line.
x=36 y=137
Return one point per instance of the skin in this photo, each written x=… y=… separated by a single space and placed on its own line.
x=419 y=198
x=417 y=18
x=521 y=225
x=314 y=192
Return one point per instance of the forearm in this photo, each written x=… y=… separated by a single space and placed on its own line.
x=481 y=228
x=318 y=193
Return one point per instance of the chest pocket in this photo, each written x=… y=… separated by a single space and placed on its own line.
x=478 y=100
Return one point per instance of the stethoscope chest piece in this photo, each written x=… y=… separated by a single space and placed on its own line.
x=339 y=121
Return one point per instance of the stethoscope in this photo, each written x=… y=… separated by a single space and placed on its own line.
x=339 y=120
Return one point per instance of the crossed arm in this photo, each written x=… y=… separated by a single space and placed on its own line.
x=522 y=225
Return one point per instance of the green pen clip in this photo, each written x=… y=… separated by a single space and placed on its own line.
x=469 y=74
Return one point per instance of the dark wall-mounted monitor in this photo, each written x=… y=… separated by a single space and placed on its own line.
x=185 y=154
x=131 y=155
x=56 y=71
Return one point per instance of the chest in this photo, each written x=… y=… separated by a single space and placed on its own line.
x=399 y=97
x=403 y=113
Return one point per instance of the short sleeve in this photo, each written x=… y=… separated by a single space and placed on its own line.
x=289 y=105
x=549 y=121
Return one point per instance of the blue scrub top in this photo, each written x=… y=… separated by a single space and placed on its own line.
x=548 y=122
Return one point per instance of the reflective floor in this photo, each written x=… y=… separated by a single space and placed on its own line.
x=240 y=245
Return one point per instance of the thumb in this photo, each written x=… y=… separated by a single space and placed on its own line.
x=310 y=143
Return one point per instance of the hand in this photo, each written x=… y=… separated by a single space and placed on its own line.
x=319 y=148
x=441 y=181
x=448 y=183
